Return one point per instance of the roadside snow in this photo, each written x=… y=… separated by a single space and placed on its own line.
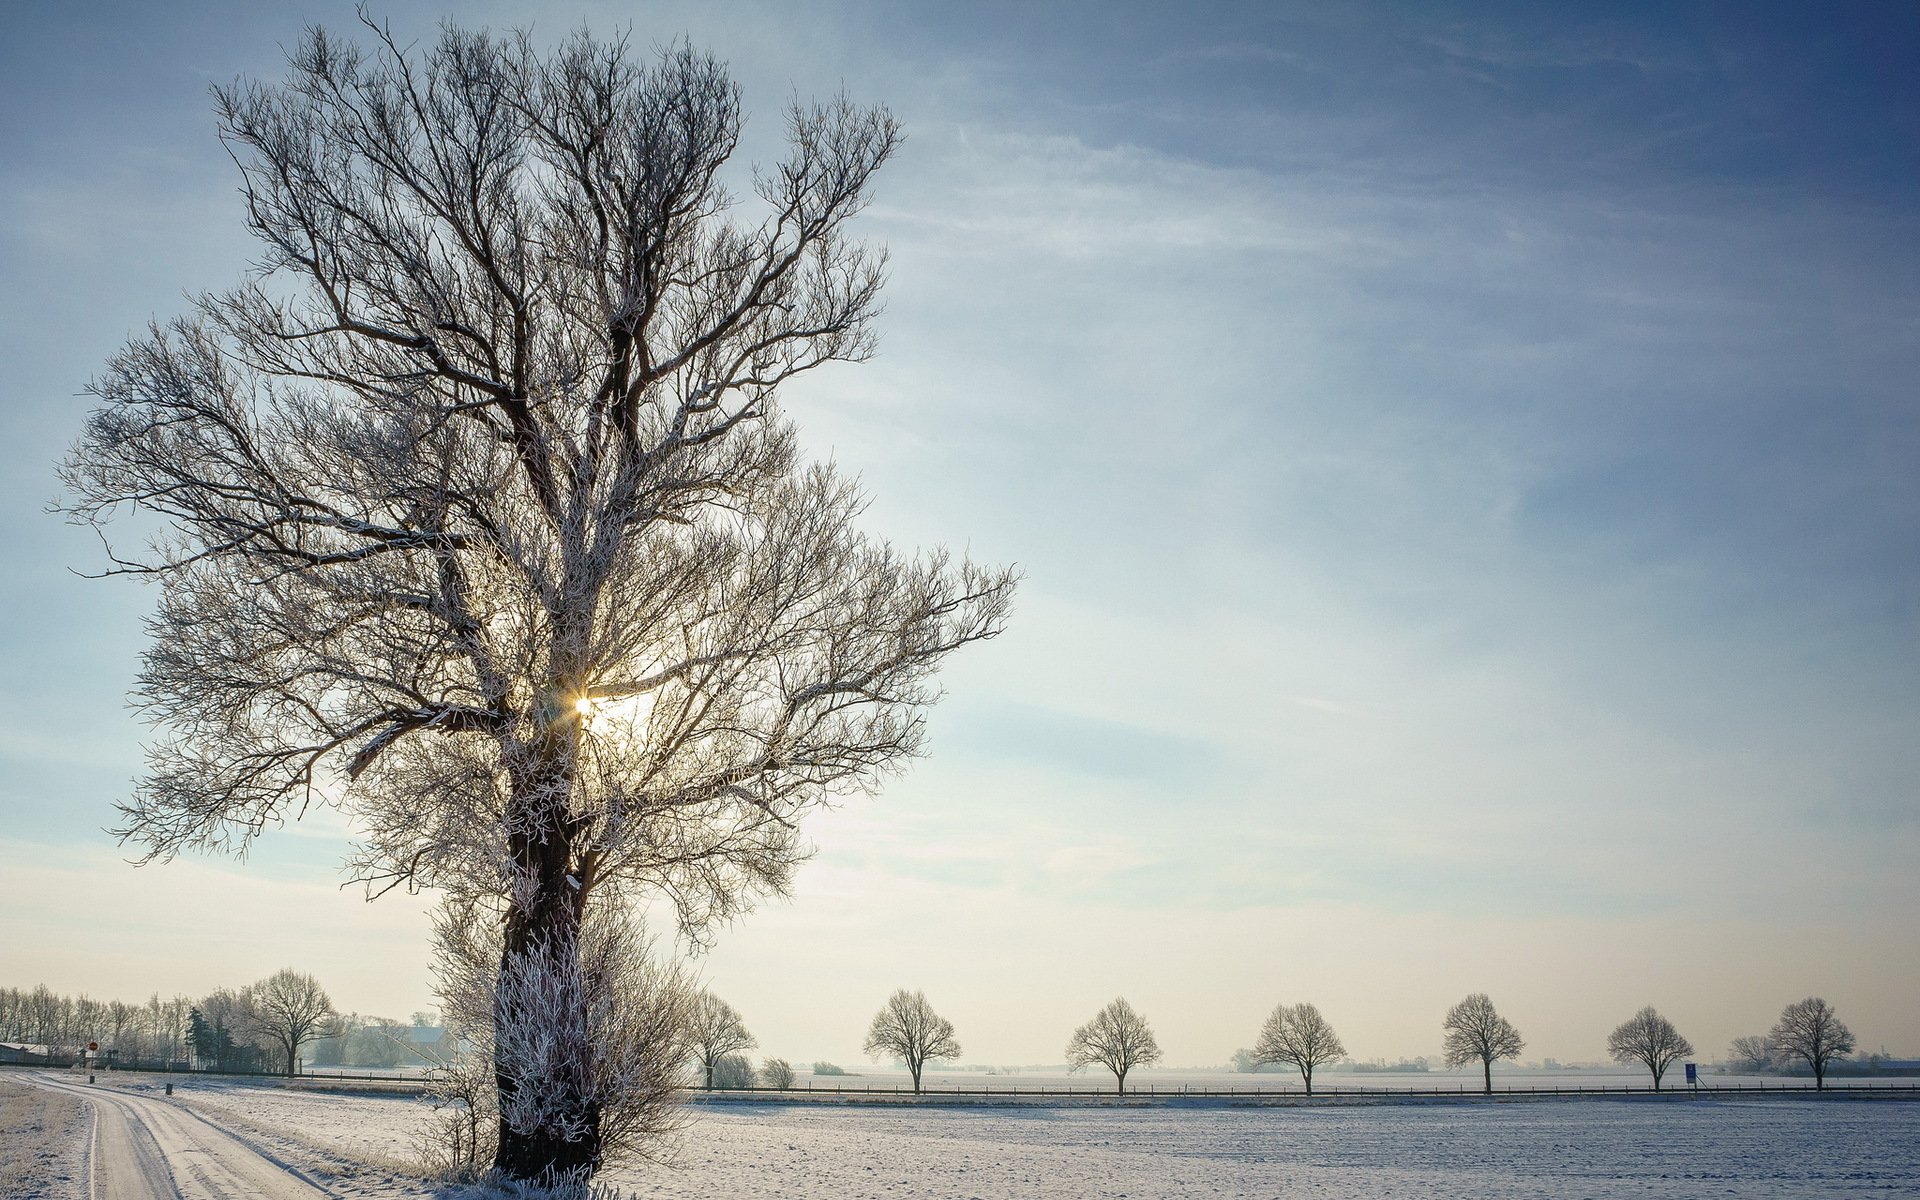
x=43 y=1143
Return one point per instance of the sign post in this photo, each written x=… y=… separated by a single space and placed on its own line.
x=1693 y=1077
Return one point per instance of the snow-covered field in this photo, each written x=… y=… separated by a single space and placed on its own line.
x=744 y=1150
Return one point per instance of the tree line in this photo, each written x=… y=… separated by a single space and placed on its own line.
x=264 y=1025
x=153 y=1030
x=259 y=1027
x=1118 y=1039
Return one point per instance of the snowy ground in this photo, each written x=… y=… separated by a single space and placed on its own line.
x=744 y=1150
x=43 y=1141
x=1587 y=1148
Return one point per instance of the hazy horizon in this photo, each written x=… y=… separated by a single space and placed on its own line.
x=1462 y=459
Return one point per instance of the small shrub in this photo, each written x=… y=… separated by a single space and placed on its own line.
x=776 y=1073
x=827 y=1068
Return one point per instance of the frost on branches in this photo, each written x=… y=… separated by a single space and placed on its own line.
x=480 y=519
x=518 y=1017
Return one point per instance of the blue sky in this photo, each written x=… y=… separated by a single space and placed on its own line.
x=1463 y=460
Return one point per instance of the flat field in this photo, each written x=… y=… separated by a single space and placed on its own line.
x=1640 y=1147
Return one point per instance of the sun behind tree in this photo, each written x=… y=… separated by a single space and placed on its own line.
x=483 y=522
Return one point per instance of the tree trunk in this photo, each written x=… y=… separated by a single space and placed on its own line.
x=1120 y=1082
x=293 y=1051
x=916 y=1080
x=1486 y=1065
x=1306 y=1073
x=548 y=927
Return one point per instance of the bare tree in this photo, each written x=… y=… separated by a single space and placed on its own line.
x=908 y=1028
x=1298 y=1035
x=1649 y=1038
x=1118 y=1039
x=1750 y=1055
x=776 y=1073
x=733 y=1072
x=1811 y=1032
x=715 y=1031
x=229 y=1032
x=290 y=1009
x=481 y=517
x=1475 y=1031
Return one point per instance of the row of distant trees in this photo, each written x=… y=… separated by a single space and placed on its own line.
x=264 y=1026
x=259 y=1027
x=1118 y=1039
x=154 y=1030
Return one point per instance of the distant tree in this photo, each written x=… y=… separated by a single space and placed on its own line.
x=89 y=1021
x=1649 y=1038
x=200 y=1037
x=379 y=1042
x=231 y=1031
x=1810 y=1031
x=1300 y=1036
x=1118 y=1038
x=716 y=1032
x=332 y=1050
x=291 y=1009
x=120 y=1025
x=776 y=1073
x=732 y=1072
x=1475 y=1031
x=908 y=1028
x=1750 y=1055
x=827 y=1068
x=1246 y=1061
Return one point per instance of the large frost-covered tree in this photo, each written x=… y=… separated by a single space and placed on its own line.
x=478 y=516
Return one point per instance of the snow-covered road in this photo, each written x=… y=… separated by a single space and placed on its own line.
x=153 y=1149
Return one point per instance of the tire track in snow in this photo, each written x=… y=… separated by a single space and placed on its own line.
x=147 y=1149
